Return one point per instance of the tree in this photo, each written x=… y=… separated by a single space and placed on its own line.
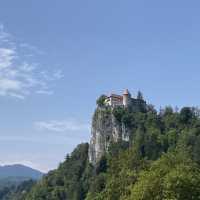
x=186 y=115
x=69 y=181
x=174 y=176
x=101 y=100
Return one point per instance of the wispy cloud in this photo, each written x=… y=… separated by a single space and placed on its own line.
x=32 y=48
x=20 y=77
x=62 y=125
x=4 y=36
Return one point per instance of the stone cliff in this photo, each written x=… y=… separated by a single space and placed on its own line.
x=105 y=129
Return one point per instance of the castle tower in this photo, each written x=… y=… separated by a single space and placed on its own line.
x=126 y=97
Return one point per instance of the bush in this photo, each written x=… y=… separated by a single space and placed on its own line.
x=101 y=100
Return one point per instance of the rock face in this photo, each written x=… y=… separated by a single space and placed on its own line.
x=105 y=129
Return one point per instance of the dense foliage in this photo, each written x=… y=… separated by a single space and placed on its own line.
x=101 y=100
x=16 y=191
x=160 y=162
x=70 y=181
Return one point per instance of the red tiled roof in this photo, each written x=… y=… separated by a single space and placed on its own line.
x=116 y=96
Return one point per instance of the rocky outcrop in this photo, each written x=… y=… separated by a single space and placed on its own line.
x=105 y=129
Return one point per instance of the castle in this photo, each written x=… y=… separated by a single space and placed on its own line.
x=119 y=100
x=106 y=128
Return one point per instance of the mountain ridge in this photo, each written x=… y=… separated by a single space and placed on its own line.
x=19 y=170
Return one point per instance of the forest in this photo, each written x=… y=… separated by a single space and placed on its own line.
x=161 y=161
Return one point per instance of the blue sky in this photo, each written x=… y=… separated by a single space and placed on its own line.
x=57 y=57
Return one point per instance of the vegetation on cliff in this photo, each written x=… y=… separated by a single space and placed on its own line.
x=160 y=161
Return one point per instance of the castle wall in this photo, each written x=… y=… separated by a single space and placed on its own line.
x=114 y=100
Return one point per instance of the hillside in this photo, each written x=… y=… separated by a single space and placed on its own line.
x=19 y=171
x=15 y=179
x=159 y=160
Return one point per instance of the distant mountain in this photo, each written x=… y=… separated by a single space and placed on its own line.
x=19 y=172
